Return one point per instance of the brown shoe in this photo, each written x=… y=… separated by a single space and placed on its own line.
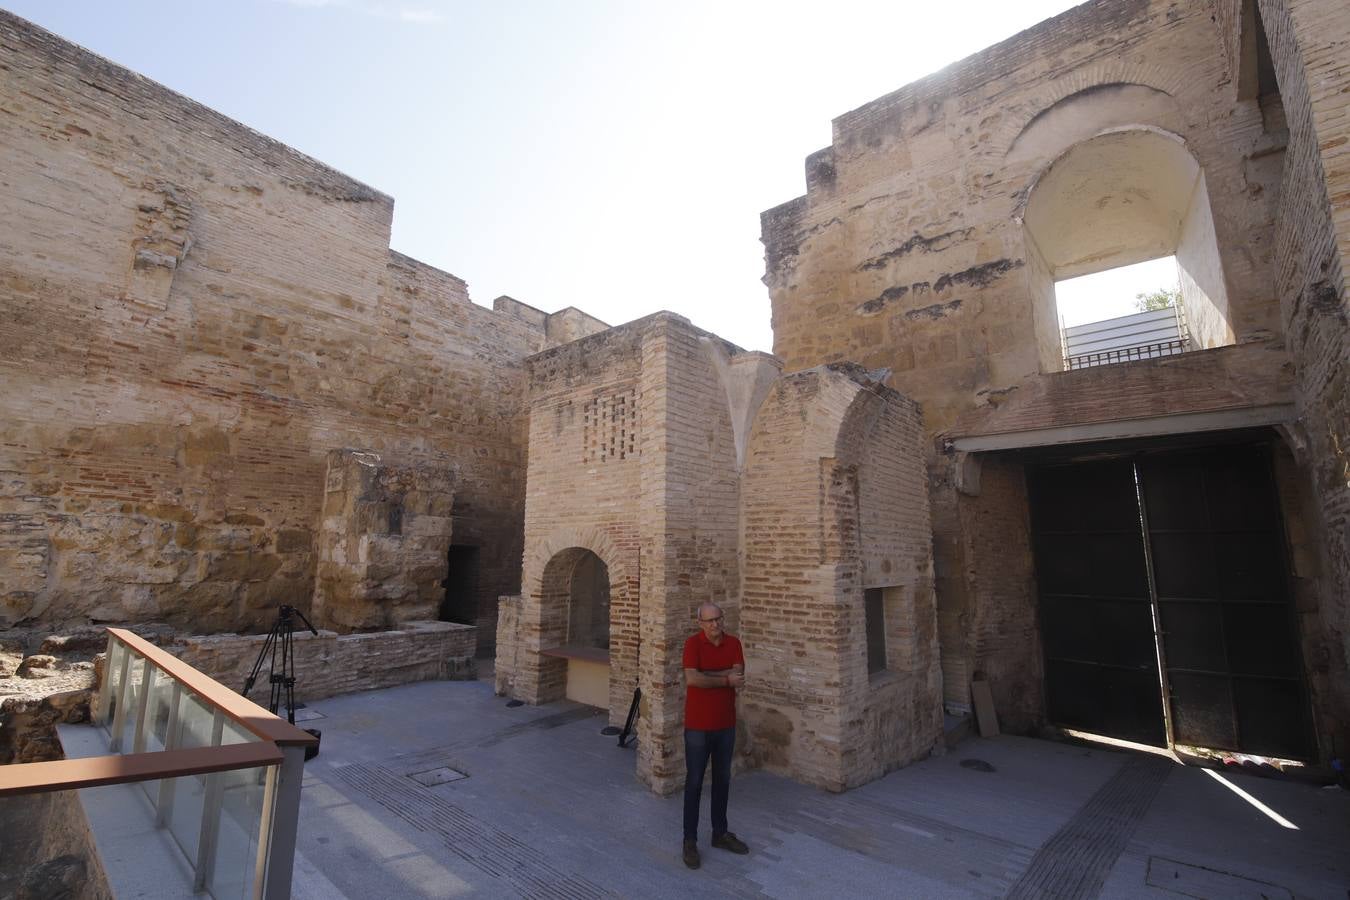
x=729 y=841
x=691 y=854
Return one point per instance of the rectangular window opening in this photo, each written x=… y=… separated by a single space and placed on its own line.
x=875 y=611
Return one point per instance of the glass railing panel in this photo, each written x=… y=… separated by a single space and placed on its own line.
x=125 y=724
x=214 y=819
x=241 y=810
x=234 y=733
x=160 y=714
x=186 y=796
x=112 y=676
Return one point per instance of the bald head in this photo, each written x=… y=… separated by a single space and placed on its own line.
x=709 y=610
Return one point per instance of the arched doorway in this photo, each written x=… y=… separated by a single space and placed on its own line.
x=588 y=603
x=575 y=606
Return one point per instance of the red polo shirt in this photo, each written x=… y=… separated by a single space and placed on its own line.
x=710 y=709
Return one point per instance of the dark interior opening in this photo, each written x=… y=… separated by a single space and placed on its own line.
x=1267 y=87
x=461 y=586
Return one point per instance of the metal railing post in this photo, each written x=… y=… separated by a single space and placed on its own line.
x=164 y=806
x=147 y=682
x=105 y=689
x=282 y=823
x=210 y=830
x=265 y=832
x=123 y=694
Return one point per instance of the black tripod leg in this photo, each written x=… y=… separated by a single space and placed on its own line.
x=268 y=643
x=288 y=673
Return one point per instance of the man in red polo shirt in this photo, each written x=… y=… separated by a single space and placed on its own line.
x=714 y=667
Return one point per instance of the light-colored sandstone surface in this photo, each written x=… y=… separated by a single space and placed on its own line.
x=195 y=316
x=934 y=226
x=709 y=476
x=224 y=393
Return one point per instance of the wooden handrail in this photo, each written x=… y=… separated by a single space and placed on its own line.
x=94 y=771
x=235 y=707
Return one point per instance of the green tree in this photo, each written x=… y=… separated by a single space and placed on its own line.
x=1162 y=298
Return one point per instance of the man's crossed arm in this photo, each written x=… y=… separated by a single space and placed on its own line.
x=733 y=677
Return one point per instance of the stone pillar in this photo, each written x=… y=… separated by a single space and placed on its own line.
x=382 y=544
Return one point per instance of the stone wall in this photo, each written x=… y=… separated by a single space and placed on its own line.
x=583 y=480
x=911 y=250
x=382 y=544
x=633 y=458
x=1003 y=638
x=1308 y=43
x=835 y=502
x=332 y=664
x=49 y=850
x=195 y=315
x=689 y=515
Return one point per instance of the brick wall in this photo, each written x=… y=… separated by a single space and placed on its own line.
x=332 y=664
x=689 y=515
x=195 y=315
x=834 y=502
x=583 y=475
x=1307 y=43
x=631 y=457
x=909 y=251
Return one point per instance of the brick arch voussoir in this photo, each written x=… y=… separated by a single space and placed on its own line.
x=596 y=540
x=1168 y=79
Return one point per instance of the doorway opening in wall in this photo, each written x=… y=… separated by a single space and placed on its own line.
x=1125 y=313
x=460 y=603
x=1166 y=614
x=1126 y=196
x=575 y=603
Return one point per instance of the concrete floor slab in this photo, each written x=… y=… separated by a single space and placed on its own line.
x=551 y=808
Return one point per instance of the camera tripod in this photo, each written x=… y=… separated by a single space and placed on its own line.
x=281 y=676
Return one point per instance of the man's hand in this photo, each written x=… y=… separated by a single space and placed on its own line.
x=735 y=679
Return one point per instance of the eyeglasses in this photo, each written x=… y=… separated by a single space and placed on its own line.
x=718 y=619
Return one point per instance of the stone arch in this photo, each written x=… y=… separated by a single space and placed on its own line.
x=1089 y=112
x=1125 y=195
x=1163 y=79
x=560 y=595
x=545 y=616
x=596 y=540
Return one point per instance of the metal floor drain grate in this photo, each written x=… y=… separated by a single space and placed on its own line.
x=433 y=777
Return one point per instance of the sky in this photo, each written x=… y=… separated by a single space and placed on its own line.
x=1105 y=295
x=613 y=156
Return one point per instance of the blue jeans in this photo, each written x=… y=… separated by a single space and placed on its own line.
x=699 y=747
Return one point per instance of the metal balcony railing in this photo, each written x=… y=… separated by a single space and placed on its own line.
x=1145 y=335
x=221 y=773
x=1125 y=354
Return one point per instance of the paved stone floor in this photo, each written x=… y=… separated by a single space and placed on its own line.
x=549 y=808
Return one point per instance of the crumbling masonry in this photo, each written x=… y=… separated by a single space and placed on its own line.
x=223 y=392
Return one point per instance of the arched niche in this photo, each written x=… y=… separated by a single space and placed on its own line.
x=575 y=618
x=1123 y=197
x=588 y=603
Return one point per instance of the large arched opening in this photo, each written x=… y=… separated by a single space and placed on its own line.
x=1120 y=198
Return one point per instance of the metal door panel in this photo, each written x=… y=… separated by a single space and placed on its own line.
x=1272 y=717
x=1229 y=642
x=1212 y=573
x=1202 y=709
x=1096 y=616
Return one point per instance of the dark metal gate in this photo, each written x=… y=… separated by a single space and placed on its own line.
x=1206 y=594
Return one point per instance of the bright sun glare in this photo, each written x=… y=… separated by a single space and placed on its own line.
x=1105 y=295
